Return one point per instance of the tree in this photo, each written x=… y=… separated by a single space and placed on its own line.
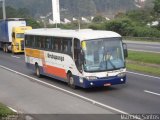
x=142 y=17
x=32 y=22
x=157 y=6
x=99 y=19
x=157 y=11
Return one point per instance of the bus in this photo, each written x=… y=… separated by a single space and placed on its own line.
x=85 y=58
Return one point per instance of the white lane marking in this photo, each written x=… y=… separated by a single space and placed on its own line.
x=143 y=51
x=150 y=92
x=12 y=109
x=143 y=75
x=72 y=93
x=152 y=47
x=15 y=56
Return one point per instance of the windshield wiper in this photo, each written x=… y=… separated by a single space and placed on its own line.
x=112 y=64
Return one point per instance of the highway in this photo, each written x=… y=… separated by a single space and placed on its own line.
x=153 y=47
x=141 y=94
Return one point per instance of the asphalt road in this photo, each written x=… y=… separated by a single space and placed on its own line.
x=141 y=94
x=143 y=46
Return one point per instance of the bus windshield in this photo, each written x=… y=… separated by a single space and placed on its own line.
x=103 y=54
x=20 y=35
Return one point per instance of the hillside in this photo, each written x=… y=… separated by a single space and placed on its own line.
x=75 y=7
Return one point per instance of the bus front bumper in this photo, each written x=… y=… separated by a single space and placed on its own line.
x=100 y=82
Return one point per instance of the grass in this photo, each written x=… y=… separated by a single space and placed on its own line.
x=144 y=39
x=5 y=111
x=144 y=69
x=152 y=58
x=144 y=62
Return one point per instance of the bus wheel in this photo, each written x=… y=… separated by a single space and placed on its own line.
x=37 y=71
x=71 y=81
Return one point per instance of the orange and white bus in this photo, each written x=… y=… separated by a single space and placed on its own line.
x=85 y=58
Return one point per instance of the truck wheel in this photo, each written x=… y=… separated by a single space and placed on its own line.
x=37 y=71
x=4 y=48
x=12 y=49
x=71 y=81
x=7 y=48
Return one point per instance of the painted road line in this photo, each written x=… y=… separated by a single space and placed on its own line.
x=143 y=75
x=15 y=56
x=12 y=109
x=71 y=93
x=150 y=92
x=143 y=51
x=152 y=47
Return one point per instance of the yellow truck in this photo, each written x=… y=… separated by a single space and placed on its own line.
x=12 y=34
x=18 y=38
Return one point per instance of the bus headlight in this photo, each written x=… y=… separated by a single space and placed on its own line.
x=121 y=74
x=91 y=77
x=81 y=79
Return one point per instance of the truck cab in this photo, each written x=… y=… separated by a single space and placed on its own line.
x=17 y=45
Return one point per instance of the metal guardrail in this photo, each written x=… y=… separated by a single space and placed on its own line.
x=141 y=38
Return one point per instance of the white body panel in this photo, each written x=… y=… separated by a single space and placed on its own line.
x=84 y=34
x=12 y=24
x=104 y=74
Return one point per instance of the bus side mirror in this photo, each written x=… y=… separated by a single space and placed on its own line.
x=125 y=50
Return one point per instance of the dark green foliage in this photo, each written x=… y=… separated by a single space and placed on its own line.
x=15 y=13
x=157 y=6
x=134 y=23
x=126 y=27
x=21 y=13
x=141 y=17
x=122 y=26
x=157 y=11
x=99 y=19
x=33 y=23
x=97 y=26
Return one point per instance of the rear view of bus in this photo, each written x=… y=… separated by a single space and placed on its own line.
x=84 y=58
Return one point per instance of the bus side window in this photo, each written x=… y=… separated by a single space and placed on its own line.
x=38 y=42
x=42 y=39
x=32 y=41
x=65 y=46
x=48 y=43
x=60 y=44
x=52 y=43
x=56 y=44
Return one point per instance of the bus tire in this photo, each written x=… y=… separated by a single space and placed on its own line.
x=37 y=71
x=71 y=81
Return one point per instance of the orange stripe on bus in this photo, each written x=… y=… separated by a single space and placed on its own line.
x=34 y=53
x=56 y=71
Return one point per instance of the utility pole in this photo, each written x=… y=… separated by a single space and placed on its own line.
x=4 y=9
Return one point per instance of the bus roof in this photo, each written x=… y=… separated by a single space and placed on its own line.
x=83 y=34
